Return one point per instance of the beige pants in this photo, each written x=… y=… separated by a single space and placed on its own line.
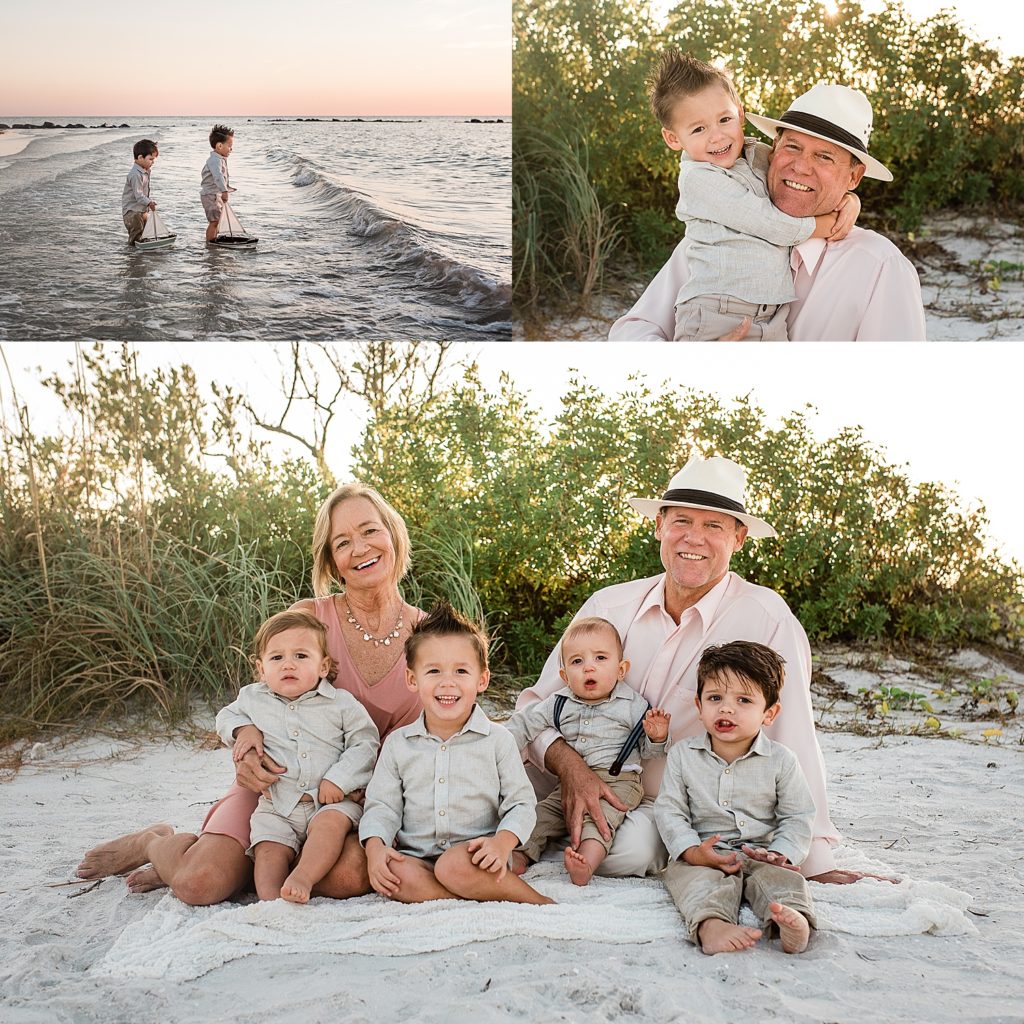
x=134 y=222
x=711 y=317
x=701 y=893
x=551 y=821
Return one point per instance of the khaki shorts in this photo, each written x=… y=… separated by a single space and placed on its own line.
x=213 y=205
x=134 y=222
x=711 y=317
x=267 y=826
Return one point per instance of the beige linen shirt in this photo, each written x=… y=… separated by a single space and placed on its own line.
x=761 y=799
x=860 y=289
x=323 y=734
x=432 y=794
x=595 y=731
x=663 y=660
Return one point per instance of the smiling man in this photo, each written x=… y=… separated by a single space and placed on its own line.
x=859 y=289
x=666 y=622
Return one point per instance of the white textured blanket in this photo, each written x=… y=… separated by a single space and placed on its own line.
x=179 y=942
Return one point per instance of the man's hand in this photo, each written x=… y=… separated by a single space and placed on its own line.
x=656 y=724
x=329 y=793
x=707 y=856
x=769 y=857
x=378 y=857
x=490 y=853
x=741 y=332
x=582 y=791
x=257 y=774
x=247 y=737
x=847 y=213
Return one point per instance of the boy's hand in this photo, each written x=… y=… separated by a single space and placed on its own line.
x=768 y=857
x=846 y=216
x=247 y=738
x=825 y=224
x=378 y=857
x=152 y=206
x=707 y=856
x=490 y=853
x=656 y=725
x=329 y=793
x=224 y=197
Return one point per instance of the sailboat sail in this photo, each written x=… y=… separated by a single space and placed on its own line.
x=155 y=234
x=230 y=231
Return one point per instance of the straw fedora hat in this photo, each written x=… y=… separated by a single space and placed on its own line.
x=835 y=113
x=715 y=485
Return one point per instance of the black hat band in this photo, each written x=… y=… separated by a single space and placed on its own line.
x=686 y=496
x=820 y=126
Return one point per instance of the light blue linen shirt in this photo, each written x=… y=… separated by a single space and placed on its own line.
x=323 y=734
x=761 y=799
x=738 y=241
x=432 y=794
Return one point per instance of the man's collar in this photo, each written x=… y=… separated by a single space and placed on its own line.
x=809 y=253
x=705 y=607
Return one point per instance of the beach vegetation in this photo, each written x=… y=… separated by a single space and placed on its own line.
x=948 y=118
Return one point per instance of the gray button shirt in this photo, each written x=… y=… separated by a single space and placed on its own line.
x=738 y=241
x=761 y=799
x=595 y=731
x=135 y=198
x=432 y=793
x=323 y=734
x=215 y=175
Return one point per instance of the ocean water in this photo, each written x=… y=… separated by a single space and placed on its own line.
x=367 y=231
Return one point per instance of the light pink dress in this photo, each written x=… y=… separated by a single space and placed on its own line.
x=390 y=703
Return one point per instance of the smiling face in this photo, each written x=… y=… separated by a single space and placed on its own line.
x=292 y=662
x=733 y=710
x=224 y=148
x=447 y=675
x=361 y=546
x=808 y=177
x=707 y=126
x=592 y=663
x=696 y=546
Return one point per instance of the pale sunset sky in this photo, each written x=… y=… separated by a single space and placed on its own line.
x=316 y=57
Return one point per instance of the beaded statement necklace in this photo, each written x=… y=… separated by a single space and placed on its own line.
x=377 y=640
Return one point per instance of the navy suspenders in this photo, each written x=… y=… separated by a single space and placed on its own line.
x=632 y=740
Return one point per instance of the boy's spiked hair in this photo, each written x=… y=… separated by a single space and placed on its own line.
x=678 y=75
x=144 y=147
x=754 y=663
x=444 y=620
x=220 y=133
x=291 y=619
x=583 y=627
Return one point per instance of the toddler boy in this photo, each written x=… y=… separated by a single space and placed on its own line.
x=733 y=789
x=607 y=723
x=135 y=201
x=216 y=183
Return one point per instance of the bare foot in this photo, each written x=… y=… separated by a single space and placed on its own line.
x=717 y=936
x=296 y=889
x=518 y=862
x=578 y=867
x=794 y=930
x=121 y=854
x=145 y=880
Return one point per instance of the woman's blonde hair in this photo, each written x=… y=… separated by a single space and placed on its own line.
x=325 y=578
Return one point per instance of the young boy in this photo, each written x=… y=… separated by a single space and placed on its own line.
x=449 y=799
x=733 y=788
x=323 y=737
x=738 y=256
x=135 y=201
x=216 y=182
x=604 y=721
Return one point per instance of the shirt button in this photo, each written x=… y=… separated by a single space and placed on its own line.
x=291 y=707
x=742 y=823
x=441 y=812
x=303 y=753
x=443 y=747
x=727 y=770
x=586 y=723
x=440 y=780
x=296 y=733
x=725 y=803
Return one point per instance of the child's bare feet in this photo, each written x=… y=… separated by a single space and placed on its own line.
x=717 y=936
x=578 y=867
x=121 y=854
x=145 y=880
x=794 y=929
x=296 y=889
x=518 y=862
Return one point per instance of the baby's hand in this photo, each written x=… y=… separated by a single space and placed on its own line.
x=707 y=856
x=489 y=854
x=329 y=793
x=846 y=216
x=247 y=738
x=780 y=860
x=656 y=725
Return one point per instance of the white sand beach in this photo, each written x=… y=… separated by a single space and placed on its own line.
x=943 y=946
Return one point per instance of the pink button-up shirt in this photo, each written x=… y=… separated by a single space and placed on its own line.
x=663 y=659
x=860 y=289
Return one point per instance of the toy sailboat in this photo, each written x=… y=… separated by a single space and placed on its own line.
x=155 y=234
x=230 y=232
